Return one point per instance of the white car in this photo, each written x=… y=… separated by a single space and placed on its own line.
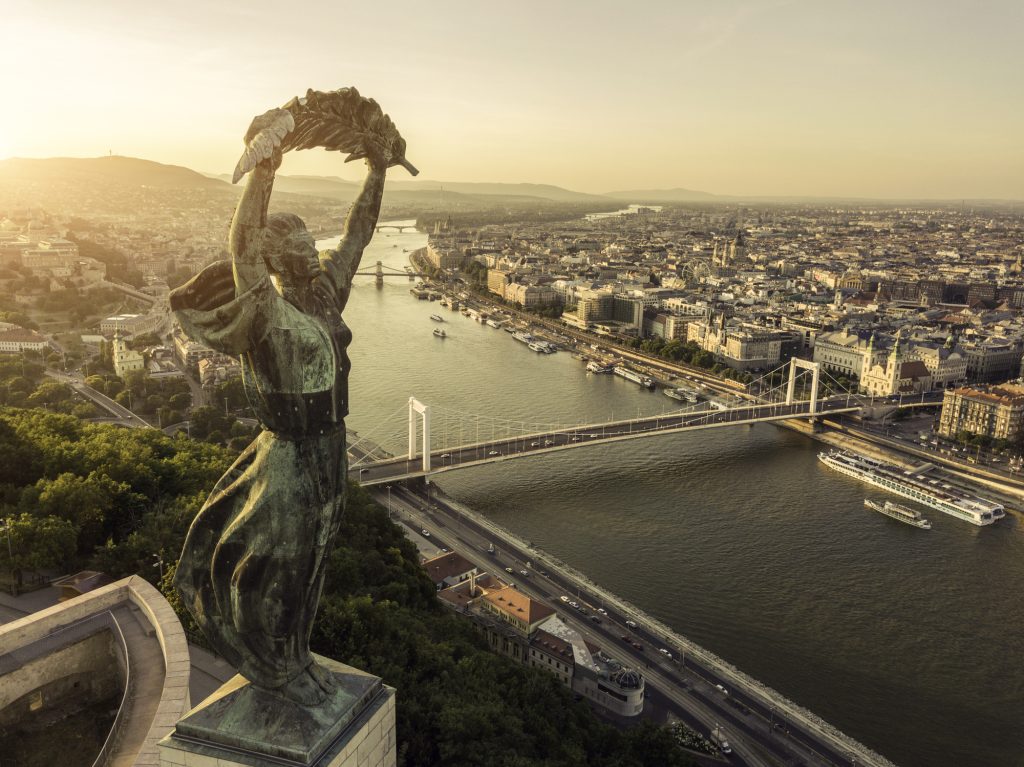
x=631 y=624
x=721 y=689
x=564 y=598
x=425 y=533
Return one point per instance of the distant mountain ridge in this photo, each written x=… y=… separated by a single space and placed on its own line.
x=112 y=169
x=333 y=186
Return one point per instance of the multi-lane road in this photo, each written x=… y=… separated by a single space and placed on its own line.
x=705 y=697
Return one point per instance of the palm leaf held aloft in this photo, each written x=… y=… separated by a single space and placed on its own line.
x=340 y=121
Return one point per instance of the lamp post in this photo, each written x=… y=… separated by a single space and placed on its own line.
x=10 y=555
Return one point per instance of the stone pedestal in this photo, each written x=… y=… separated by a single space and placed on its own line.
x=242 y=726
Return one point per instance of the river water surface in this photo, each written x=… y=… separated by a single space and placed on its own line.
x=738 y=538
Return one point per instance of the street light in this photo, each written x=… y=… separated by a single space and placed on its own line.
x=10 y=556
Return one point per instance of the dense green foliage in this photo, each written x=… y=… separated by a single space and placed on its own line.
x=124 y=494
x=117 y=499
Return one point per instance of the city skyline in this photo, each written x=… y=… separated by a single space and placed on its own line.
x=774 y=98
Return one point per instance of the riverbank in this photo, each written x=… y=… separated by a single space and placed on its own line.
x=685 y=650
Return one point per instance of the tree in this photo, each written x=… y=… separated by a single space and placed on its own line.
x=50 y=394
x=37 y=543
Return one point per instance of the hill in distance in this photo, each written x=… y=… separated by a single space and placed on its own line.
x=122 y=171
x=339 y=188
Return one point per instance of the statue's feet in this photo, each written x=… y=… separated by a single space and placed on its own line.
x=310 y=688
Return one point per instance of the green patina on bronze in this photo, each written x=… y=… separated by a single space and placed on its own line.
x=253 y=563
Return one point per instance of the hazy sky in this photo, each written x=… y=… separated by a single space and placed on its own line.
x=817 y=97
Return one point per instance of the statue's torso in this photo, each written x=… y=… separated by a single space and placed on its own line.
x=296 y=377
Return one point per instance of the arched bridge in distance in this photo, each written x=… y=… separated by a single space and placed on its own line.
x=371 y=466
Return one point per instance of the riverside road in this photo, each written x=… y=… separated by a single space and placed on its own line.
x=693 y=691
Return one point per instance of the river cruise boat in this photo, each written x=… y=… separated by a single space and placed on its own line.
x=909 y=484
x=439 y=332
x=899 y=513
x=597 y=367
x=631 y=375
x=437 y=318
x=681 y=394
x=523 y=337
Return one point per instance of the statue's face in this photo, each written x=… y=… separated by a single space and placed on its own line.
x=298 y=260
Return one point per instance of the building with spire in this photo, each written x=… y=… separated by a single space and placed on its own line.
x=124 y=359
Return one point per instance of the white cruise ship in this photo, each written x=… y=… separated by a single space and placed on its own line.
x=931 y=493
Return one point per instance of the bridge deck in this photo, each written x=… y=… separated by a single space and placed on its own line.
x=581 y=436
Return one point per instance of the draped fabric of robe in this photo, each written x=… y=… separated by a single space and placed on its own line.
x=253 y=564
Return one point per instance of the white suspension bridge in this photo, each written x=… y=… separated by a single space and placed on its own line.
x=441 y=439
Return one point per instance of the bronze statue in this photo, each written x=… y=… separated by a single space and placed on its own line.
x=254 y=560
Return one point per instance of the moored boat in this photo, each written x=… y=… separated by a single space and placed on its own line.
x=899 y=513
x=439 y=332
x=933 y=493
x=437 y=318
x=681 y=394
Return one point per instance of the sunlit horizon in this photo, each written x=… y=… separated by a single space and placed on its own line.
x=740 y=98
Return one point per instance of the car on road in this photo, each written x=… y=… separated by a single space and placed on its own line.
x=493 y=453
x=721 y=689
x=638 y=646
x=548 y=442
x=631 y=624
x=602 y=611
x=445 y=456
x=664 y=651
x=508 y=570
x=524 y=573
x=626 y=639
x=564 y=598
x=535 y=444
x=425 y=533
x=595 y=618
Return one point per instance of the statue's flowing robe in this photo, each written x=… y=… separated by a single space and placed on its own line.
x=253 y=564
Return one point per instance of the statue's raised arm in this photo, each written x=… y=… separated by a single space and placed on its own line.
x=342 y=121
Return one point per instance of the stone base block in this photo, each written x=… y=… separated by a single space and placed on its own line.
x=242 y=726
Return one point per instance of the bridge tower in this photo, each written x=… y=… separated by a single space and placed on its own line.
x=415 y=406
x=815 y=369
x=379 y=275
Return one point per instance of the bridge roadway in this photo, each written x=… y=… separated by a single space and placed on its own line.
x=479 y=453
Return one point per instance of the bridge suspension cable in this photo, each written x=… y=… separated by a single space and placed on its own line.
x=371 y=450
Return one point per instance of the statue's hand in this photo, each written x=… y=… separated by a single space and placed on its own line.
x=269 y=119
x=263 y=141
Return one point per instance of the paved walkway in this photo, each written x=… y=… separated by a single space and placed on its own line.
x=145 y=685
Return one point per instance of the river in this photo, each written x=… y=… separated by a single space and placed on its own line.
x=738 y=538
